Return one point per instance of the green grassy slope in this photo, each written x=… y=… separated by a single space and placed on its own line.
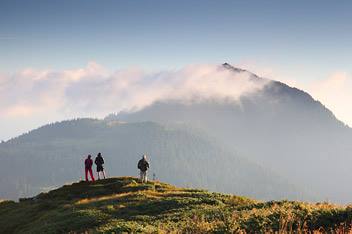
x=124 y=205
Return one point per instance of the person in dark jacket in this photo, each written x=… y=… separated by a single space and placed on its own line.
x=99 y=161
x=88 y=163
x=143 y=167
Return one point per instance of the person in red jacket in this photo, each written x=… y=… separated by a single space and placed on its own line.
x=88 y=163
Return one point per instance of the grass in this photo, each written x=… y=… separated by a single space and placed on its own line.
x=122 y=205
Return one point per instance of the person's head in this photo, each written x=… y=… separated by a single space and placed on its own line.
x=99 y=154
x=89 y=156
x=144 y=156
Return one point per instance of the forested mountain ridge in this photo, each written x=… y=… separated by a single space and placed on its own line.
x=54 y=154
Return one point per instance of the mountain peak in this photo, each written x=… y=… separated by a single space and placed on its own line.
x=253 y=76
x=230 y=67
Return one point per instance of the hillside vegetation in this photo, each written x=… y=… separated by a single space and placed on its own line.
x=123 y=205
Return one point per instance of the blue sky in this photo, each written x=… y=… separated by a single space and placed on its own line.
x=61 y=34
x=299 y=41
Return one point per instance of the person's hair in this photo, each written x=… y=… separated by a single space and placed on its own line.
x=89 y=156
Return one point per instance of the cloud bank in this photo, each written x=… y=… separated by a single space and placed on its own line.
x=33 y=97
x=44 y=95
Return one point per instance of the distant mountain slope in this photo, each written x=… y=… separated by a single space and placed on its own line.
x=122 y=205
x=54 y=154
x=280 y=127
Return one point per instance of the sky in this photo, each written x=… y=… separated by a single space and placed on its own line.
x=48 y=47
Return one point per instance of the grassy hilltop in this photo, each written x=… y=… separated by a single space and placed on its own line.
x=118 y=205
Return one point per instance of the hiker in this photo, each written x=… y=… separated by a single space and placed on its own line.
x=88 y=163
x=99 y=161
x=143 y=166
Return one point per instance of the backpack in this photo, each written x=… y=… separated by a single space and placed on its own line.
x=143 y=165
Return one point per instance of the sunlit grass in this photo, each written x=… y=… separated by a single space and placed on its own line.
x=102 y=198
x=119 y=205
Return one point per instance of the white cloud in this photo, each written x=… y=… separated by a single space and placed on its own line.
x=336 y=93
x=31 y=97
x=93 y=91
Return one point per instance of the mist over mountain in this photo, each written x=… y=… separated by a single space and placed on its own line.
x=249 y=135
x=279 y=127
